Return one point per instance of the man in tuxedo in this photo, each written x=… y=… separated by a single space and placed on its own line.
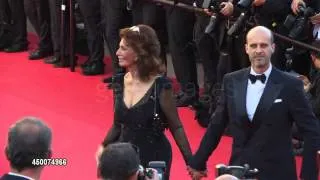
x=28 y=139
x=259 y=104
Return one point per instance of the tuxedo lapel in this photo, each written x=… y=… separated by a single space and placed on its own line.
x=270 y=93
x=240 y=93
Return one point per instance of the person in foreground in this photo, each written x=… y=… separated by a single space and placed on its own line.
x=260 y=103
x=28 y=139
x=144 y=105
x=121 y=161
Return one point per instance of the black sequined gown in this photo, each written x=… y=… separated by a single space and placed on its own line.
x=139 y=126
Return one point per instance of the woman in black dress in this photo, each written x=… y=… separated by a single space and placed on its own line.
x=143 y=100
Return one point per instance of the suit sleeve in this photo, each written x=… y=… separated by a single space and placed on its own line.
x=211 y=139
x=308 y=125
x=315 y=99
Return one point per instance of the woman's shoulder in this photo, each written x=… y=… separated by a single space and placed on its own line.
x=164 y=81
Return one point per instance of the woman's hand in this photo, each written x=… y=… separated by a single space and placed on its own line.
x=98 y=153
x=306 y=83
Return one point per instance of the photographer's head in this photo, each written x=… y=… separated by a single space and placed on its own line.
x=315 y=56
x=227 y=177
x=260 y=47
x=28 y=139
x=119 y=161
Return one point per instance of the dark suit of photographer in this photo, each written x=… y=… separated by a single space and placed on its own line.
x=180 y=25
x=215 y=49
x=213 y=46
x=56 y=32
x=154 y=15
x=39 y=16
x=4 y=24
x=115 y=17
x=179 y=32
x=91 y=11
x=301 y=60
x=13 y=12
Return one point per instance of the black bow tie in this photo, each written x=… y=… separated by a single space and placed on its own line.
x=254 y=78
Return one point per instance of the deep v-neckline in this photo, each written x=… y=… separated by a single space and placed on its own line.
x=138 y=102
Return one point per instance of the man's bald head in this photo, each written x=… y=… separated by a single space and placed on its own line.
x=260 y=30
x=260 y=48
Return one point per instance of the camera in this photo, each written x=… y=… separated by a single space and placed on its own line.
x=245 y=7
x=296 y=23
x=244 y=4
x=159 y=166
x=241 y=172
x=211 y=5
x=215 y=7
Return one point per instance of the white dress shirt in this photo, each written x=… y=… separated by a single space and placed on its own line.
x=316 y=31
x=20 y=175
x=254 y=92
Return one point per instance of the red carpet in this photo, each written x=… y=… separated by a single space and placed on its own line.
x=79 y=110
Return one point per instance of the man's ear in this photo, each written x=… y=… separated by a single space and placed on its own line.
x=49 y=154
x=6 y=151
x=313 y=57
x=273 y=47
x=246 y=48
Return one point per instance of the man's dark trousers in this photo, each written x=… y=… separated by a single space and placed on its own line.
x=91 y=11
x=19 y=23
x=39 y=15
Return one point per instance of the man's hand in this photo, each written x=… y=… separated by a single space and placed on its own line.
x=227 y=9
x=210 y=13
x=295 y=5
x=98 y=153
x=315 y=19
x=258 y=2
x=306 y=83
x=154 y=173
x=196 y=175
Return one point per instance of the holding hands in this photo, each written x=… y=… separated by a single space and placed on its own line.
x=195 y=174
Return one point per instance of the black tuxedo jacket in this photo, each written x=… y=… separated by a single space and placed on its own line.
x=11 y=177
x=264 y=142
